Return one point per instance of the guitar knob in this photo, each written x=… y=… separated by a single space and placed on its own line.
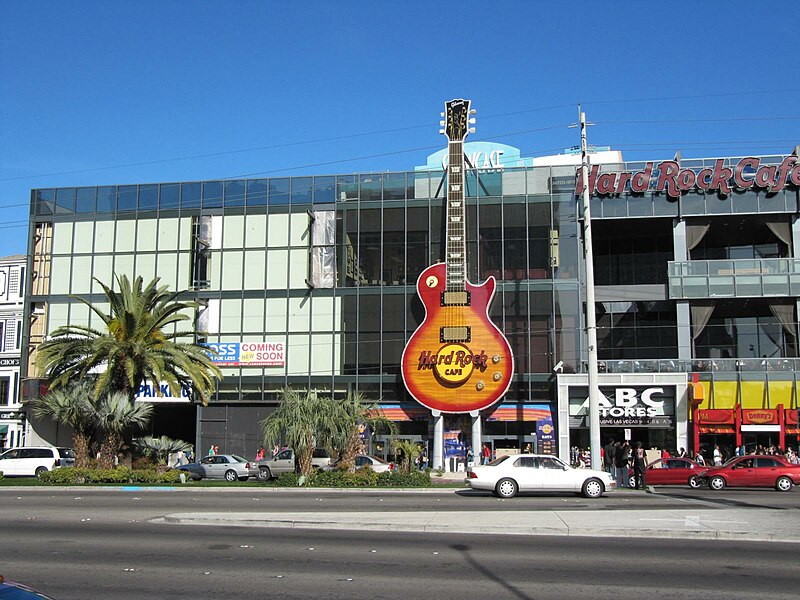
x=496 y=358
x=497 y=376
x=480 y=385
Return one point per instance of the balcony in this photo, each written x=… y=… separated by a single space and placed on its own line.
x=776 y=366
x=751 y=278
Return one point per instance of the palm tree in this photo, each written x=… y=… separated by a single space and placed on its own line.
x=353 y=415
x=302 y=421
x=160 y=448
x=71 y=406
x=409 y=451
x=135 y=345
x=116 y=416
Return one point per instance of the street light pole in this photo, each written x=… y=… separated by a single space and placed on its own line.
x=591 y=322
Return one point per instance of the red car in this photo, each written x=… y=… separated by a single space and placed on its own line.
x=753 y=471
x=674 y=471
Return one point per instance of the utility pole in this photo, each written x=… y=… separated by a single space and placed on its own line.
x=591 y=321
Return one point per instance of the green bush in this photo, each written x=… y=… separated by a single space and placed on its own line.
x=287 y=480
x=72 y=475
x=368 y=478
x=1 y=476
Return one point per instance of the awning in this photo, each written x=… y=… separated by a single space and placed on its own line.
x=3 y=429
x=718 y=429
x=404 y=412
x=519 y=412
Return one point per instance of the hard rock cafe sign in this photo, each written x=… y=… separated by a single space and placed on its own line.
x=668 y=177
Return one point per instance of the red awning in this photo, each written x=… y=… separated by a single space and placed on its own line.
x=719 y=429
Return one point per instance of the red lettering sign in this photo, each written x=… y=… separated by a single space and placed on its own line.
x=674 y=181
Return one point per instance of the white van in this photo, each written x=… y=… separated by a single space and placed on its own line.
x=34 y=460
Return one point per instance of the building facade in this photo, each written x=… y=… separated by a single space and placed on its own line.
x=12 y=306
x=310 y=282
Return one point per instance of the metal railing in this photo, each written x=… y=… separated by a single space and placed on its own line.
x=742 y=278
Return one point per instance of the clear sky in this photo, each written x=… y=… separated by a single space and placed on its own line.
x=95 y=93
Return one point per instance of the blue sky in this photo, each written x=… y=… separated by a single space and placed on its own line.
x=95 y=93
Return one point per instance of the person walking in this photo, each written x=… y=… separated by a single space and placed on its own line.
x=621 y=463
x=212 y=450
x=487 y=454
x=698 y=458
x=717 y=456
x=639 y=465
x=608 y=457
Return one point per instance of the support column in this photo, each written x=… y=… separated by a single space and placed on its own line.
x=680 y=253
x=477 y=439
x=438 y=440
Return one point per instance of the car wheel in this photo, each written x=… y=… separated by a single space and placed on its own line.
x=716 y=483
x=40 y=470
x=592 y=488
x=784 y=484
x=506 y=488
x=264 y=474
x=694 y=482
x=230 y=475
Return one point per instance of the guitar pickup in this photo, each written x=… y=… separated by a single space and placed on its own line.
x=455 y=334
x=461 y=298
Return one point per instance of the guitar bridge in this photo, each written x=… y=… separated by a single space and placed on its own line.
x=455 y=334
x=462 y=298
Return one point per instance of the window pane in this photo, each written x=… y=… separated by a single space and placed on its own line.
x=85 y=200
x=170 y=196
x=279 y=191
x=212 y=194
x=65 y=200
x=190 y=195
x=324 y=190
x=256 y=192
x=106 y=199
x=45 y=202
x=126 y=197
x=301 y=190
x=234 y=193
x=148 y=197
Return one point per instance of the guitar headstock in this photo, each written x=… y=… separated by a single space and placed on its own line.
x=457 y=118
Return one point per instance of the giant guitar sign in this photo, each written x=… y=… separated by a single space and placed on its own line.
x=457 y=360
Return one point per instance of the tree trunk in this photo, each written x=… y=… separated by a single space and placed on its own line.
x=80 y=445
x=355 y=446
x=108 y=451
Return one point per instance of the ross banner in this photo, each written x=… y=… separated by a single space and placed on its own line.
x=248 y=354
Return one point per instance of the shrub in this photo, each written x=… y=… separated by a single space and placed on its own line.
x=369 y=478
x=1 y=476
x=72 y=475
x=287 y=480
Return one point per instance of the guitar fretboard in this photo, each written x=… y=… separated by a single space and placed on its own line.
x=456 y=247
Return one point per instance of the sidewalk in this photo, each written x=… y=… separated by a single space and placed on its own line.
x=726 y=524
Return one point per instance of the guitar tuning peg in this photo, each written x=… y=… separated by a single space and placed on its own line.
x=441 y=123
x=472 y=120
x=472 y=111
x=472 y=130
x=441 y=131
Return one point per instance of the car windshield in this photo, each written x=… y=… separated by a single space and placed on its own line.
x=497 y=461
x=379 y=460
x=238 y=458
x=730 y=461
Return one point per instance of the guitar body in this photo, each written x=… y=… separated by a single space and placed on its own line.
x=458 y=360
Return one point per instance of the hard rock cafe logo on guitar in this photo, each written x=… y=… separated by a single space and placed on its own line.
x=453 y=363
x=457 y=360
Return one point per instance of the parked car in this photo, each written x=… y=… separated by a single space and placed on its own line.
x=674 y=471
x=367 y=460
x=11 y=590
x=229 y=467
x=506 y=476
x=34 y=460
x=753 y=471
x=285 y=462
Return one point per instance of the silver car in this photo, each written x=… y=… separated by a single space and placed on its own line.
x=229 y=467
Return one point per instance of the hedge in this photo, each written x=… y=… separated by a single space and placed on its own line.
x=72 y=475
x=360 y=478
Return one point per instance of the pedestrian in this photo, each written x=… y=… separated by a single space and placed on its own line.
x=470 y=457
x=717 y=456
x=486 y=454
x=682 y=453
x=621 y=463
x=527 y=449
x=698 y=458
x=639 y=465
x=665 y=454
x=608 y=457
x=260 y=453
x=423 y=458
x=212 y=450
x=275 y=450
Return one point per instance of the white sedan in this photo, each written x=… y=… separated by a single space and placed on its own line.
x=506 y=476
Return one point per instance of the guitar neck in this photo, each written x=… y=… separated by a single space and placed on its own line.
x=456 y=247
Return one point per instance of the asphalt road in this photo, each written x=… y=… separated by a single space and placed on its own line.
x=101 y=544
